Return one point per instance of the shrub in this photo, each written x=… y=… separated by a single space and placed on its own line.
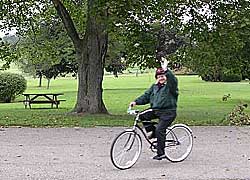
x=238 y=117
x=231 y=77
x=11 y=85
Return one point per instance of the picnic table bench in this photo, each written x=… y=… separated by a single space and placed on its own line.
x=47 y=98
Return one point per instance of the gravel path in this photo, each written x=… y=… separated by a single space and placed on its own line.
x=219 y=153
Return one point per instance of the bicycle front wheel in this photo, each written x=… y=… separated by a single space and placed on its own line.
x=179 y=143
x=126 y=149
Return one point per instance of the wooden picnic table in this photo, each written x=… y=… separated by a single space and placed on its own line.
x=47 y=98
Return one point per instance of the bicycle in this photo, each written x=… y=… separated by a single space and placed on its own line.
x=127 y=146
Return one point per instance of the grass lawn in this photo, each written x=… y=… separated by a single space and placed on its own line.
x=200 y=103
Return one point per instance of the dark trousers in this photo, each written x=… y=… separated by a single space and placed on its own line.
x=165 y=120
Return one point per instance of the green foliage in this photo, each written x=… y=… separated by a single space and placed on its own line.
x=115 y=57
x=49 y=53
x=231 y=77
x=147 y=28
x=216 y=27
x=116 y=66
x=238 y=117
x=7 y=52
x=11 y=85
x=222 y=48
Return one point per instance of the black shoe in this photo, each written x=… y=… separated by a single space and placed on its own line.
x=159 y=157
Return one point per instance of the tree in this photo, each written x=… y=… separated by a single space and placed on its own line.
x=89 y=36
x=47 y=51
x=7 y=48
x=89 y=22
x=222 y=49
x=115 y=60
x=62 y=68
x=90 y=45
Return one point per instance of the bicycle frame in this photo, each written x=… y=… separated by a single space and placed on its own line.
x=136 y=126
x=169 y=130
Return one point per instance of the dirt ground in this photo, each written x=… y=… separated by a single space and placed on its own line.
x=219 y=153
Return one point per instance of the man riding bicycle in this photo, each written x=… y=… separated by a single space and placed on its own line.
x=162 y=96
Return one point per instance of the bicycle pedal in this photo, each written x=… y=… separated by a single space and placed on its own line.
x=153 y=146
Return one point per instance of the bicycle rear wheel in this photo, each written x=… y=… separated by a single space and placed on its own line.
x=126 y=149
x=179 y=143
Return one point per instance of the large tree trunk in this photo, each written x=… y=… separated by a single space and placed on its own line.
x=91 y=64
x=91 y=67
x=90 y=77
x=91 y=51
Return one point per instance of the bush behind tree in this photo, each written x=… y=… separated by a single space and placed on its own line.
x=11 y=85
x=231 y=77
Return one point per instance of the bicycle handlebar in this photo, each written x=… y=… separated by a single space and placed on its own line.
x=132 y=112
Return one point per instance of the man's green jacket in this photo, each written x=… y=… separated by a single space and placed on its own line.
x=161 y=97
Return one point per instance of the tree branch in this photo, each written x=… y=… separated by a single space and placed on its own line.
x=67 y=21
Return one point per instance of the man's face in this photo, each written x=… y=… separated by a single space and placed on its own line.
x=161 y=78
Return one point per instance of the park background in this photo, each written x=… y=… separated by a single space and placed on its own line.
x=199 y=103
x=54 y=38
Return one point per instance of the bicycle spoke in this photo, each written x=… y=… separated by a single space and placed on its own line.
x=125 y=155
x=179 y=143
x=121 y=158
x=182 y=139
x=120 y=154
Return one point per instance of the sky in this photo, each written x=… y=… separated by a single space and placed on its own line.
x=2 y=34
